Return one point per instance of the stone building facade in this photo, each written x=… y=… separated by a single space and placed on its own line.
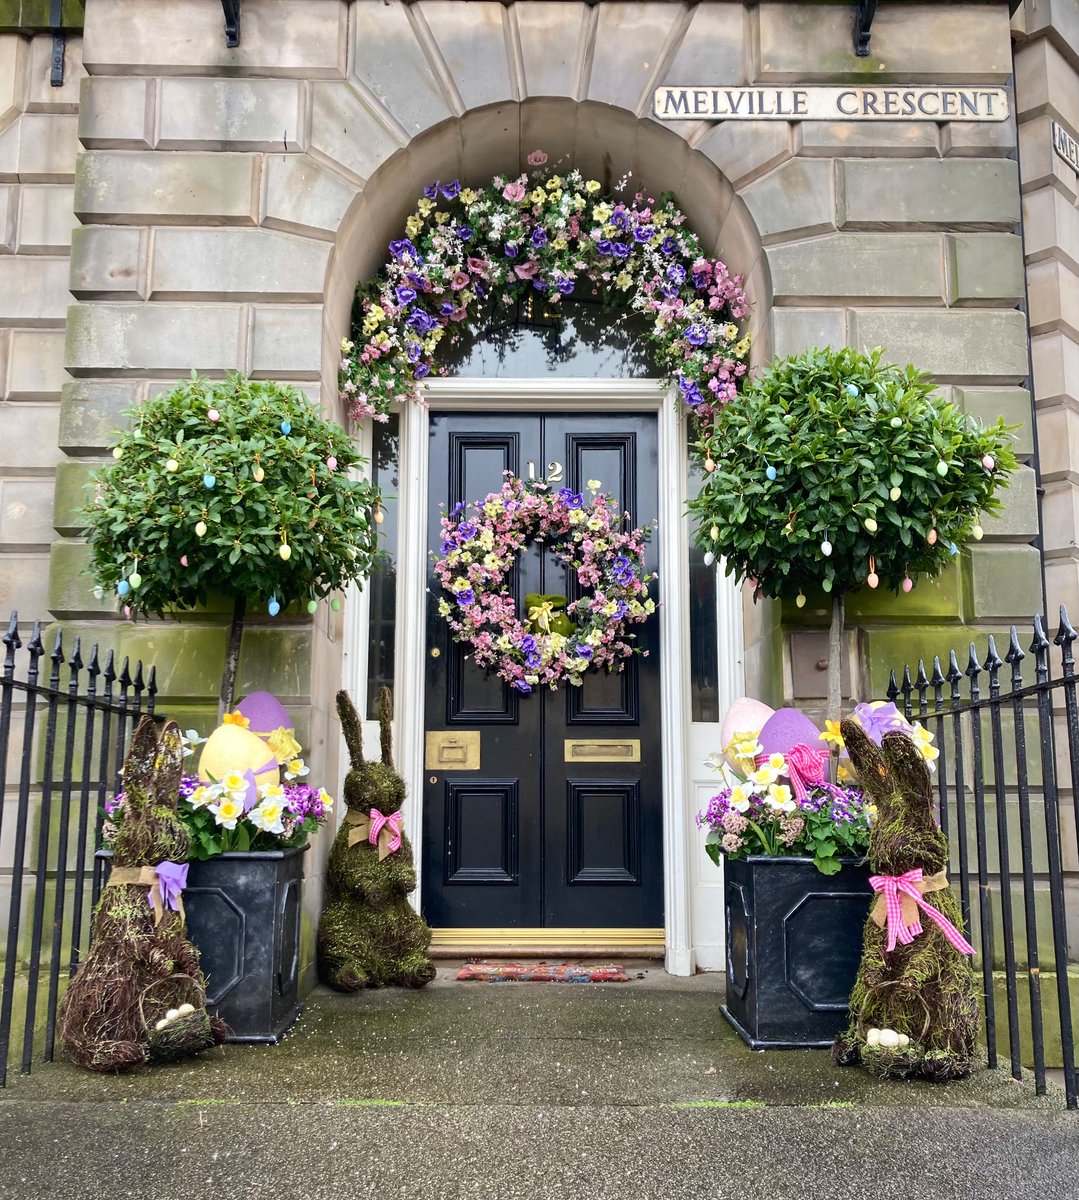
x=178 y=205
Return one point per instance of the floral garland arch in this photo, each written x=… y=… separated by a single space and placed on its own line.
x=547 y=647
x=544 y=232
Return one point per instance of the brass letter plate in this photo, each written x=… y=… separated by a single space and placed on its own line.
x=611 y=750
x=456 y=750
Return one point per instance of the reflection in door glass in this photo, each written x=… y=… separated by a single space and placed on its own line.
x=703 y=627
x=382 y=585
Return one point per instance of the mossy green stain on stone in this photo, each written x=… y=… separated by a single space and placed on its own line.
x=35 y=16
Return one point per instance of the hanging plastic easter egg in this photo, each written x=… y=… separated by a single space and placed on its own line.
x=123 y=587
x=942 y=468
x=827 y=585
x=380 y=516
x=183 y=560
x=989 y=462
x=286 y=427
x=335 y=604
x=258 y=474
x=907 y=584
x=870 y=525
x=931 y=537
x=273 y=608
x=135 y=579
x=172 y=465
x=714 y=533
x=852 y=390
x=709 y=558
x=872 y=579
x=312 y=607
x=800 y=600
x=209 y=481
x=895 y=493
x=977 y=533
x=127 y=611
x=770 y=473
x=99 y=592
x=826 y=548
x=213 y=415
x=896 y=422
x=709 y=464
x=117 y=452
x=285 y=551
x=200 y=528
x=953 y=549
x=331 y=463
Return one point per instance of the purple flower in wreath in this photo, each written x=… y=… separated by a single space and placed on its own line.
x=528 y=643
x=676 y=273
x=643 y=233
x=696 y=335
x=446 y=546
x=532 y=660
x=584 y=650
x=464 y=232
x=539 y=236
x=619 y=219
x=570 y=498
x=414 y=351
x=458 y=508
x=511 y=249
x=521 y=686
x=422 y=371
x=405 y=295
x=431 y=191
x=620 y=250
x=403 y=246
x=451 y=190
x=622 y=569
x=605 y=246
x=621 y=610
x=700 y=280
x=540 y=285
x=565 y=286
x=466 y=531
x=422 y=321
x=668 y=247
x=446 y=308
x=465 y=597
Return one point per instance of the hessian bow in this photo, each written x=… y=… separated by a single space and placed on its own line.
x=901 y=896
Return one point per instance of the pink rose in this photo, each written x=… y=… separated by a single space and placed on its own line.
x=459 y=280
x=514 y=192
x=527 y=269
x=478 y=266
x=537 y=158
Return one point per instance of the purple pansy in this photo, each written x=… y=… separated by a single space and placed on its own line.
x=466 y=596
x=676 y=273
x=405 y=295
x=403 y=246
x=565 y=286
x=539 y=236
x=451 y=190
x=669 y=246
x=696 y=335
x=511 y=249
x=422 y=321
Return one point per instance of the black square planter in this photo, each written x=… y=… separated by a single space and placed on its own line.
x=794 y=942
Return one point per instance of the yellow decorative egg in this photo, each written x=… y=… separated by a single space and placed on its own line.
x=232 y=748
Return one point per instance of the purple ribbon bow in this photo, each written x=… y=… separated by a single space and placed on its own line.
x=171 y=880
x=879 y=721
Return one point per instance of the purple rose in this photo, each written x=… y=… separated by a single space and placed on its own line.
x=539 y=237
x=451 y=190
x=405 y=295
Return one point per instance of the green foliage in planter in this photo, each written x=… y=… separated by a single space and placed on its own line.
x=236 y=486
x=865 y=459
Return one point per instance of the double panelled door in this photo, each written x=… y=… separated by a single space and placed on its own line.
x=541 y=810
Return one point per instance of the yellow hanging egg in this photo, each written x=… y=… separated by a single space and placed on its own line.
x=258 y=474
x=285 y=551
x=709 y=464
x=233 y=748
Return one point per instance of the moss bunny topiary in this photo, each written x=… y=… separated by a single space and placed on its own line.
x=914 y=1008
x=140 y=966
x=369 y=934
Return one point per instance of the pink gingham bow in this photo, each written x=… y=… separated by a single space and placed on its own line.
x=905 y=891
x=393 y=823
x=805 y=767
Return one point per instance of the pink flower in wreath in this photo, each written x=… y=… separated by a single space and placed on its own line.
x=537 y=158
x=514 y=192
x=459 y=280
x=527 y=269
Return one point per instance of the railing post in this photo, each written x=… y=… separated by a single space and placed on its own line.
x=985 y=924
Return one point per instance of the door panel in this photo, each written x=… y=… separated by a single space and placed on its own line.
x=543 y=832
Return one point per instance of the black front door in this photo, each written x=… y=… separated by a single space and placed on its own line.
x=542 y=809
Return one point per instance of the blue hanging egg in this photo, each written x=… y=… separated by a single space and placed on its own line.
x=286 y=427
x=852 y=390
x=770 y=473
x=123 y=587
x=273 y=608
x=953 y=549
x=208 y=480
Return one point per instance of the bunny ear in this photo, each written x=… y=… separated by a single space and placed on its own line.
x=350 y=727
x=870 y=764
x=908 y=769
x=138 y=773
x=170 y=766
x=385 y=727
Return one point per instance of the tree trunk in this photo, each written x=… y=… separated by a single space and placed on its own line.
x=835 y=659
x=232 y=658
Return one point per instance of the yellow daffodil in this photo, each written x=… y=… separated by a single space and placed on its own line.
x=234 y=781
x=325 y=799
x=763 y=777
x=740 y=798
x=228 y=811
x=778 y=797
x=296 y=769
x=200 y=797
x=236 y=718
x=831 y=735
x=923 y=739
x=283 y=744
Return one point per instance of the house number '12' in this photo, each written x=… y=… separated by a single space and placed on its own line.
x=554 y=472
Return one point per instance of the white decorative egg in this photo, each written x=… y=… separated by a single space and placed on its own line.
x=872 y=1037
x=889 y=1039
x=172 y=1014
x=904 y=1041
x=161 y=1024
x=184 y=1009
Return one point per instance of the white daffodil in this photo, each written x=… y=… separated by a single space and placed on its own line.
x=296 y=768
x=234 y=781
x=763 y=777
x=268 y=816
x=740 y=798
x=325 y=799
x=228 y=811
x=778 y=763
x=190 y=739
x=779 y=798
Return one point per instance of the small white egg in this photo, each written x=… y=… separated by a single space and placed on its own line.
x=872 y=1038
x=889 y=1039
x=161 y=1024
x=903 y=1041
x=172 y=1014
x=184 y=1009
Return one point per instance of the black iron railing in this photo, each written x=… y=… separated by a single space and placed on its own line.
x=1003 y=755
x=70 y=734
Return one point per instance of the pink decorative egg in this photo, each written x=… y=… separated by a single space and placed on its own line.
x=265 y=713
x=745 y=715
x=786 y=728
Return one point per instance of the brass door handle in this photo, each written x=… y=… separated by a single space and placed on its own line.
x=603 y=750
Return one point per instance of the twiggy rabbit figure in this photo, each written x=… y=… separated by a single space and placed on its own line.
x=914 y=1008
x=369 y=934
x=140 y=965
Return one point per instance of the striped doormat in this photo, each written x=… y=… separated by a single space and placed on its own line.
x=542 y=972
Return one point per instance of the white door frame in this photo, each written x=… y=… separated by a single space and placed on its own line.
x=567 y=395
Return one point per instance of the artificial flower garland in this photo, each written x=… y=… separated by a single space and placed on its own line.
x=545 y=233
x=478 y=550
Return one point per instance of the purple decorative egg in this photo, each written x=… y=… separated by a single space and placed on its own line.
x=265 y=713
x=785 y=729
x=745 y=715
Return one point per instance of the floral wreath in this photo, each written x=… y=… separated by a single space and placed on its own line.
x=558 y=639
x=543 y=232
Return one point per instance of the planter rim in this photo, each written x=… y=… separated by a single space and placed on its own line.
x=288 y=852
x=792 y=858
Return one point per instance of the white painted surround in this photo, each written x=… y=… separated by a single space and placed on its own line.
x=693 y=899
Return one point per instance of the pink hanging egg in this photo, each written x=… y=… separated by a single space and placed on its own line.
x=908 y=583
x=213 y=415
x=331 y=463
x=989 y=462
x=183 y=560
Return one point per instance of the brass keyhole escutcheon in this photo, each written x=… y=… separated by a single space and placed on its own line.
x=434 y=779
x=435 y=653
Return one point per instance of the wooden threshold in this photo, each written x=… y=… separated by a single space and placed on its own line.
x=515 y=943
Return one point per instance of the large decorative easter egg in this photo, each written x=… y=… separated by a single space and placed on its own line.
x=786 y=728
x=233 y=748
x=745 y=715
x=264 y=713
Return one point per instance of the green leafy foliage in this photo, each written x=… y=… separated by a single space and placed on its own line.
x=211 y=480
x=864 y=456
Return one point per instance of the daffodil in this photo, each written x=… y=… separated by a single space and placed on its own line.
x=740 y=799
x=268 y=815
x=778 y=763
x=923 y=739
x=236 y=718
x=763 y=777
x=779 y=797
x=832 y=735
x=234 y=781
x=283 y=744
x=228 y=811
x=200 y=797
x=325 y=799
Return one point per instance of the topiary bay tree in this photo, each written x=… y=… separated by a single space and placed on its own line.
x=237 y=487
x=836 y=471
